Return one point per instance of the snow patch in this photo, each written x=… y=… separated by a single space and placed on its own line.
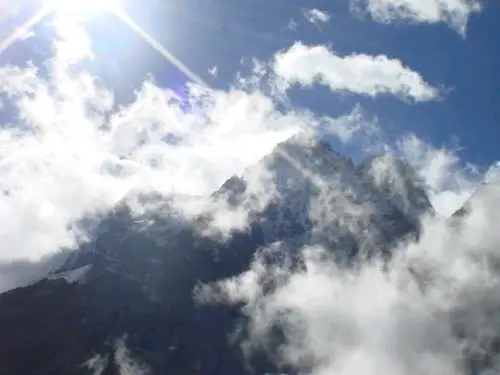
x=73 y=276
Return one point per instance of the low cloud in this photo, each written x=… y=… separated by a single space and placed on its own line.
x=449 y=183
x=120 y=358
x=356 y=74
x=429 y=310
x=455 y=13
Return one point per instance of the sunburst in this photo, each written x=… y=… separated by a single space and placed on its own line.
x=85 y=9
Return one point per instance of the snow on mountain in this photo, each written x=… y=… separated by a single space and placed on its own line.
x=73 y=276
x=304 y=188
x=397 y=182
x=303 y=192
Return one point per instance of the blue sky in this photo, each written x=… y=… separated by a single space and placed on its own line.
x=469 y=67
x=221 y=33
x=204 y=34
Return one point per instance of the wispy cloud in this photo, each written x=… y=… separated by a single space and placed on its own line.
x=126 y=363
x=316 y=16
x=455 y=13
x=427 y=311
x=292 y=25
x=357 y=74
x=449 y=182
x=120 y=357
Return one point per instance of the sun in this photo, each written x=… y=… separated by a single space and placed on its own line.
x=81 y=8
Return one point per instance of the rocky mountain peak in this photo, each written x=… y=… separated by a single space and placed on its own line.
x=136 y=275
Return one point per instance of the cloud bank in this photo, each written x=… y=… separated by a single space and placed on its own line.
x=429 y=310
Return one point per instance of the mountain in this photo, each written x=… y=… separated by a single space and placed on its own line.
x=318 y=196
x=134 y=278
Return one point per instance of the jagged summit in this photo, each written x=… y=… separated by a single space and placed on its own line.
x=303 y=185
x=392 y=176
x=306 y=140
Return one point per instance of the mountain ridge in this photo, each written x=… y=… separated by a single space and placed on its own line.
x=141 y=269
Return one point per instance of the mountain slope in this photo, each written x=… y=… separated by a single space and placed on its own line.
x=136 y=275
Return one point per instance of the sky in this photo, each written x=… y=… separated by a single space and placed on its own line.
x=207 y=34
x=460 y=57
x=176 y=96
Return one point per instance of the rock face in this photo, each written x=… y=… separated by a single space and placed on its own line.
x=135 y=278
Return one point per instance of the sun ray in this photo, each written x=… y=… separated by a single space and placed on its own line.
x=120 y=13
x=24 y=28
x=60 y=6
x=81 y=8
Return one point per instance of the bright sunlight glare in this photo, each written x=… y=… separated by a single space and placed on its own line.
x=81 y=8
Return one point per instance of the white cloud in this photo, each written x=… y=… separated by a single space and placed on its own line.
x=121 y=360
x=449 y=183
x=358 y=73
x=493 y=173
x=126 y=363
x=427 y=311
x=455 y=13
x=316 y=16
